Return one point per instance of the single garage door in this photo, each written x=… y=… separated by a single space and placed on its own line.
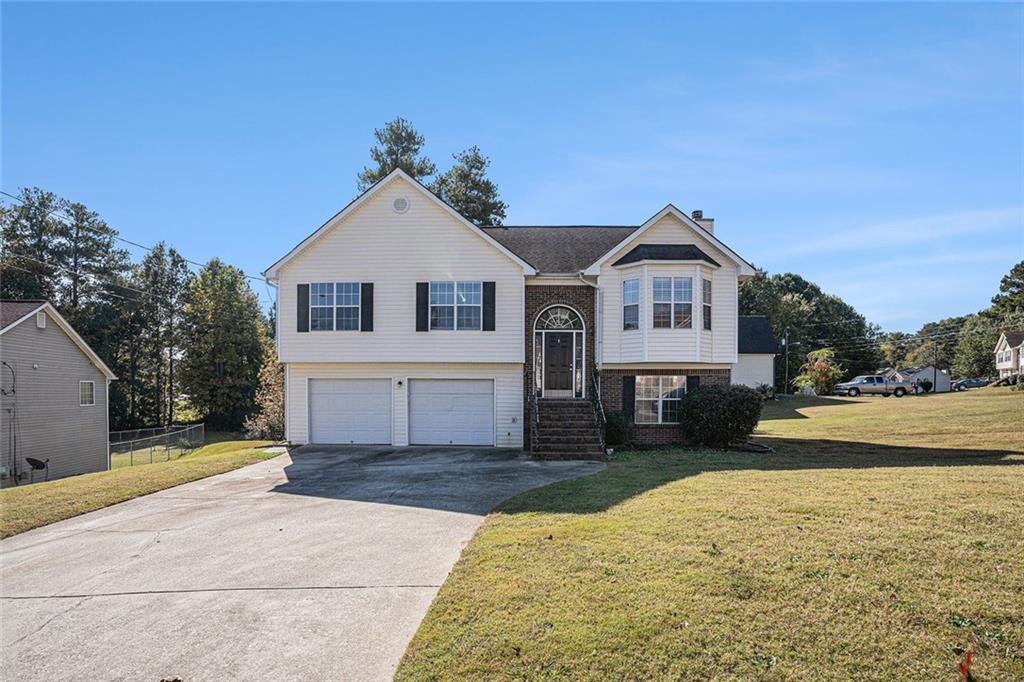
x=350 y=410
x=451 y=412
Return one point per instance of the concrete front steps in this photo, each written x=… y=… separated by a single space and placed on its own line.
x=567 y=429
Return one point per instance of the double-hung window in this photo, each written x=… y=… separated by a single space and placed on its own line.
x=334 y=306
x=658 y=398
x=705 y=285
x=673 y=302
x=631 y=304
x=456 y=305
x=86 y=393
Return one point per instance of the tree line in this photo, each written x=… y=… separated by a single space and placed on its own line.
x=184 y=345
x=826 y=336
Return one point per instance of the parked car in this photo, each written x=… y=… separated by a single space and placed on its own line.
x=964 y=384
x=873 y=384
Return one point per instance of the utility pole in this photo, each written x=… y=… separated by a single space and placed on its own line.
x=935 y=367
x=785 y=342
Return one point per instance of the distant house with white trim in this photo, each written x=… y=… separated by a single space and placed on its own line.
x=1010 y=353
x=53 y=396
x=939 y=378
x=756 y=351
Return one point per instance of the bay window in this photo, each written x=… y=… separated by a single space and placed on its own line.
x=706 y=294
x=631 y=304
x=673 y=302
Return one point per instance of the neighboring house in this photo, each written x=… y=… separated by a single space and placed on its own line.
x=1010 y=354
x=54 y=401
x=915 y=375
x=757 y=350
x=401 y=322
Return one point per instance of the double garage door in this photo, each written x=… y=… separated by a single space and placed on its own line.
x=441 y=411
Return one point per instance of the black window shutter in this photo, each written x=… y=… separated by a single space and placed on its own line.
x=692 y=383
x=422 y=306
x=488 y=307
x=628 y=397
x=366 y=307
x=302 y=308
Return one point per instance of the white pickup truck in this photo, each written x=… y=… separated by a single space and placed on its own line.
x=873 y=384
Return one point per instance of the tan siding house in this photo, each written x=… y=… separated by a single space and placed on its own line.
x=54 y=401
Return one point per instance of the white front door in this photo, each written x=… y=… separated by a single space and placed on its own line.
x=451 y=412
x=350 y=411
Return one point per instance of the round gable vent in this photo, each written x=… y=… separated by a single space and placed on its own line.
x=401 y=205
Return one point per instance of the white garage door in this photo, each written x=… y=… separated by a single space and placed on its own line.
x=350 y=410
x=451 y=412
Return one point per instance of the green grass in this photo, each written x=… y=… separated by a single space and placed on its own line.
x=26 y=507
x=881 y=540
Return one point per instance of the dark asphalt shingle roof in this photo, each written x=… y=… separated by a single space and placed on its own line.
x=755 y=335
x=12 y=311
x=665 y=252
x=1014 y=338
x=560 y=248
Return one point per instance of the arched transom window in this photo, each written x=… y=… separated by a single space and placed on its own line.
x=559 y=353
x=559 y=318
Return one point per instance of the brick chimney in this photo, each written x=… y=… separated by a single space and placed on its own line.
x=707 y=223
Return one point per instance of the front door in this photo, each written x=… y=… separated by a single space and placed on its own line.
x=558 y=361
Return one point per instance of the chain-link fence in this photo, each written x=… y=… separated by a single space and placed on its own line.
x=161 y=444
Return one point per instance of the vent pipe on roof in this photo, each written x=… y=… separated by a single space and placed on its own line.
x=707 y=223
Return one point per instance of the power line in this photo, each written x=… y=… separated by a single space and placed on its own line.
x=116 y=235
x=77 y=274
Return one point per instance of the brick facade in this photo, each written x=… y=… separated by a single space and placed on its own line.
x=579 y=298
x=653 y=434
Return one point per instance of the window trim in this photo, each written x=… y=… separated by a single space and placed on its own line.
x=661 y=397
x=672 y=302
x=706 y=301
x=334 y=306
x=630 y=305
x=455 y=305
x=92 y=393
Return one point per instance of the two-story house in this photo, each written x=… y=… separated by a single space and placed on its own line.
x=1010 y=353
x=400 y=322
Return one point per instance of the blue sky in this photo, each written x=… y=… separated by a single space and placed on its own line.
x=874 y=149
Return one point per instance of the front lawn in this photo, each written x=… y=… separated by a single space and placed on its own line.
x=881 y=541
x=29 y=506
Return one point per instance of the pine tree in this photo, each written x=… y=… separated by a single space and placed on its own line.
x=31 y=232
x=224 y=350
x=399 y=146
x=466 y=188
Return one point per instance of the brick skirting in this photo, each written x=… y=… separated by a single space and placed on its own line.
x=653 y=434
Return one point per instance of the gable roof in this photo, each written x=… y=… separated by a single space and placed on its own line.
x=560 y=249
x=14 y=311
x=672 y=252
x=1013 y=338
x=8 y=310
x=745 y=268
x=754 y=335
x=272 y=272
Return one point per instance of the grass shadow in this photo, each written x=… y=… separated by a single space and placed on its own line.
x=638 y=472
x=787 y=406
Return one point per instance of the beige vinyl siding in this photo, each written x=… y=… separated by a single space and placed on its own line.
x=508 y=393
x=754 y=369
x=50 y=422
x=395 y=251
x=670 y=345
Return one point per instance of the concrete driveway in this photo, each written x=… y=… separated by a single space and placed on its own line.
x=315 y=565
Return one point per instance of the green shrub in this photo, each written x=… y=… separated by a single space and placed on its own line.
x=617 y=429
x=720 y=416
